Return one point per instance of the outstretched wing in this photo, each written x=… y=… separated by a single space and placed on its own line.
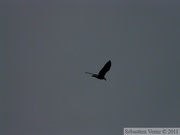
x=105 y=69
x=89 y=73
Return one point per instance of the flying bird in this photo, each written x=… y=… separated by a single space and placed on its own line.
x=102 y=72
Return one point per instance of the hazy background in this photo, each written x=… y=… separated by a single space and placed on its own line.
x=46 y=46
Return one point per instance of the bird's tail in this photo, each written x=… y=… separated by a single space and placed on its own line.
x=89 y=73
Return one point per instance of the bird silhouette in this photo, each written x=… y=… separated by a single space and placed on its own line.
x=102 y=72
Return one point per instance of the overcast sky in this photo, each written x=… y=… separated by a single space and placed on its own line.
x=46 y=46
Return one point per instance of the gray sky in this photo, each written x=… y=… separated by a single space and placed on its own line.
x=47 y=46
